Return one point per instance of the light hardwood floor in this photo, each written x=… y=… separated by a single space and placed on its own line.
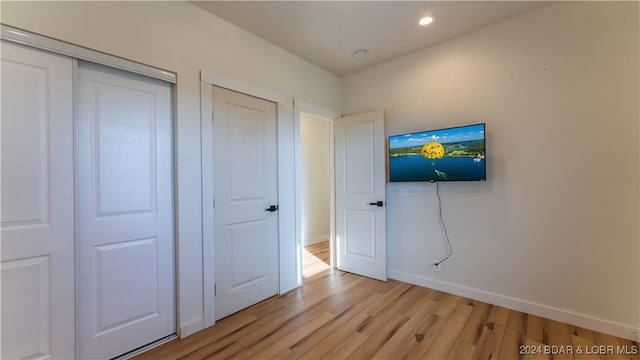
x=337 y=315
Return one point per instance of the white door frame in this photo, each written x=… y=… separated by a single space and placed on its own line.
x=209 y=80
x=299 y=107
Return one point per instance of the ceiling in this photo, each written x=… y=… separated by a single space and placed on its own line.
x=328 y=33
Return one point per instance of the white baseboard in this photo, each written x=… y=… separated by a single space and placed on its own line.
x=191 y=327
x=581 y=320
x=315 y=240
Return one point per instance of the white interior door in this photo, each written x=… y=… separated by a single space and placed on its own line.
x=37 y=205
x=124 y=214
x=360 y=195
x=246 y=198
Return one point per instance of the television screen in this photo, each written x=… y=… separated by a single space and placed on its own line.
x=452 y=154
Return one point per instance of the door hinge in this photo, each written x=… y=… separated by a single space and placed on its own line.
x=215 y=291
x=214 y=203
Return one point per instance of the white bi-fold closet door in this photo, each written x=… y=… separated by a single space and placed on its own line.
x=87 y=208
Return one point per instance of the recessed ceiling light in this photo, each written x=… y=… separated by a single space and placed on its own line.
x=426 y=20
x=360 y=53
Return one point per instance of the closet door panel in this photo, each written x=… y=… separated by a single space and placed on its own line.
x=124 y=222
x=37 y=210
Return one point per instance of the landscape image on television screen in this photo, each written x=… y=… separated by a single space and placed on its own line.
x=452 y=154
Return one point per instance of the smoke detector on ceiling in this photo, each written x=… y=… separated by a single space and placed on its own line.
x=360 y=53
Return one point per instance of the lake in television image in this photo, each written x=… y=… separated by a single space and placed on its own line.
x=453 y=154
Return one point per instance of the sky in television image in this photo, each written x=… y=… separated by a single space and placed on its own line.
x=454 y=154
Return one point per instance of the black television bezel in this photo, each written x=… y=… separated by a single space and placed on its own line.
x=484 y=162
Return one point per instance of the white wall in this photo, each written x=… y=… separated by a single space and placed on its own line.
x=315 y=179
x=555 y=229
x=183 y=38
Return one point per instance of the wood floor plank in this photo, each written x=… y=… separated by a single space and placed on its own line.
x=513 y=336
x=442 y=344
x=336 y=330
x=559 y=338
x=323 y=346
x=287 y=355
x=267 y=309
x=472 y=330
x=236 y=341
x=492 y=334
x=536 y=329
x=337 y=315
x=251 y=350
x=533 y=350
x=462 y=351
x=448 y=304
x=265 y=327
x=224 y=352
x=420 y=296
x=392 y=309
x=425 y=336
x=489 y=342
x=346 y=347
x=340 y=301
x=619 y=348
x=378 y=338
x=401 y=339
x=579 y=342
x=499 y=315
x=319 y=292
x=179 y=348
x=390 y=294
x=630 y=349
x=286 y=341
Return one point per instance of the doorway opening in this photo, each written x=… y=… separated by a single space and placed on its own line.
x=316 y=193
x=357 y=241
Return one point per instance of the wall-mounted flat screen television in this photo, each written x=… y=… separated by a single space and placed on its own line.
x=451 y=154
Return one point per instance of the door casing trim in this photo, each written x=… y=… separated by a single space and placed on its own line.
x=300 y=107
x=208 y=80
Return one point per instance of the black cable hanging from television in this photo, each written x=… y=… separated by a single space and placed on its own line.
x=445 y=236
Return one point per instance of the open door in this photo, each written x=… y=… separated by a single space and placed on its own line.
x=360 y=195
